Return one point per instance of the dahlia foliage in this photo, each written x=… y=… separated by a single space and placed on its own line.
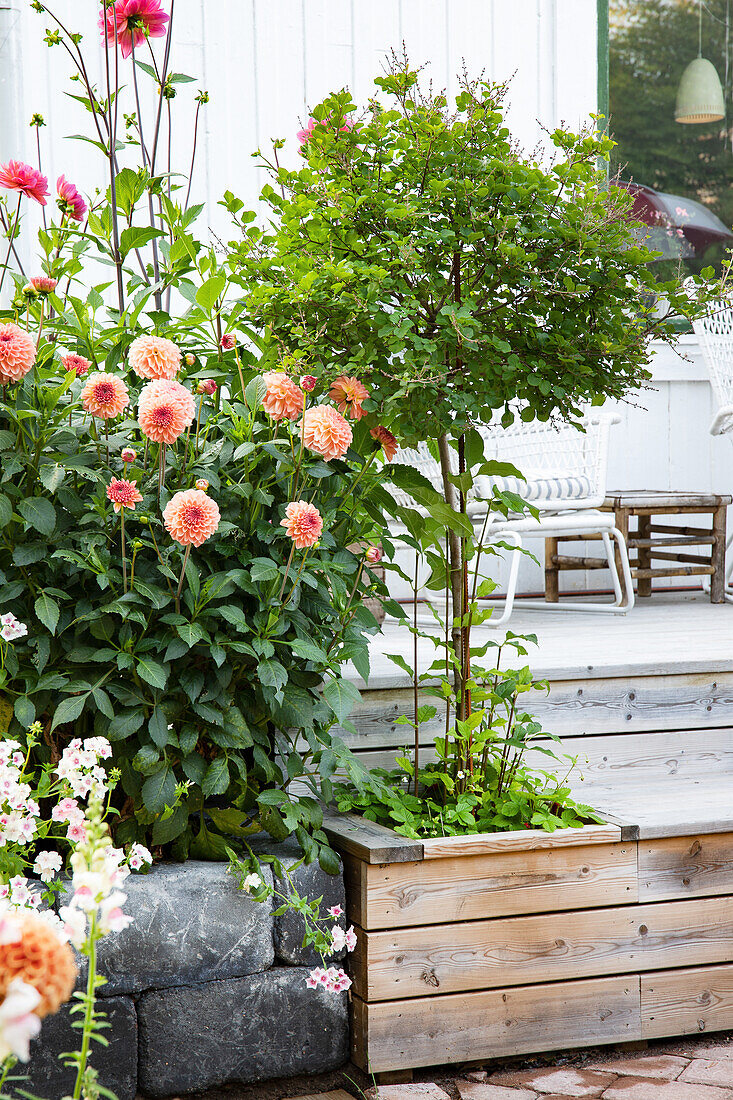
x=185 y=519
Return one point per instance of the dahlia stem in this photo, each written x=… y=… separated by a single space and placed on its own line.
x=180 y=582
x=147 y=164
x=13 y=229
x=161 y=471
x=111 y=158
x=300 y=570
x=106 y=438
x=40 y=169
x=193 y=155
x=287 y=570
x=122 y=539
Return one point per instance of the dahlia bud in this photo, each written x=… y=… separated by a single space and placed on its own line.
x=190 y=359
x=228 y=341
x=202 y=484
x=128 y=455
x=143 y=518
x=308 y=383
x=373 y=555
x=29 y=291
x=207 y=386
x=137 y=544
x=43 y=284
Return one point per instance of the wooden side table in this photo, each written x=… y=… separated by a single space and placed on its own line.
x=650 y=541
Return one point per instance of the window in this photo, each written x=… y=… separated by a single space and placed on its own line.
x=680 y=172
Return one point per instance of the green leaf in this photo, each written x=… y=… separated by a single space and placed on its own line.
x=216 y=779
x=301 y=647
x=159 y=790
x=168 y=828
x=136 y=237
x=272 y=674
x=236 y=617
x=47 y=611
x=24 y=710
x=69 y=710
x=38 y=513
x=6 y=511
x=208 y=293
x=158 y=728
x=191 y=633
x=152 y=672
x=341 y=696
x=125 y=724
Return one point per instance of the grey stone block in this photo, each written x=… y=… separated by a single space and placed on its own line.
x=311 y=882
x=116 y=1064
x=242 y=1030
x=191 y=924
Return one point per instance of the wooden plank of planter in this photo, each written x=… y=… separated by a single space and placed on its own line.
x=522 y=840
x=368 y=841
x=506 y=883
x=451 y=958
x=687 y=1002
x=686 y=866
x=461 y=1027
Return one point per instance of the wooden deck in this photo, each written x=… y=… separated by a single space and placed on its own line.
x=644 y=701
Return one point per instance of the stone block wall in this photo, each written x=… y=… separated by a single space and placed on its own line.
x=206 y=987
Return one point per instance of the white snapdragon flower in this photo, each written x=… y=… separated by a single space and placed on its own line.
x=18 y=1021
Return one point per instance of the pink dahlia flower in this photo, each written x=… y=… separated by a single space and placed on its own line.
x=207 y=386
x=105 y=395
x=191 y=517
x=123 y=494
x=373 y=555
x=77 y=363
x=348 y=393
x=284 y=399
x=388 y=441
x=155 y=357
x=17 y=353
x=69 y=200
x=17 y=176
x=43 y=284
x=228 y=341
x=308 y=383
x=128 y=455
x=302 y=523
x=326 y=432
x=202 y=484
x=131 y=22
x=165 y=410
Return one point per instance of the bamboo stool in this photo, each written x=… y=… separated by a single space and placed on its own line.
x=655 y=541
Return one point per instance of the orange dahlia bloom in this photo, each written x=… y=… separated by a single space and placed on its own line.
x=348 y=393
x=105 y=395
x=191 y=517
x=165 y=409
x=154 y=357
x=388 y=441
x=284 y=399
x=42 y=960
x=123 y=494
x=17 y=353
x=326 y=432
x=302 y=523
x=78 y=363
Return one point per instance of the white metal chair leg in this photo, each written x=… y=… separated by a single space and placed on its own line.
x=511 y=590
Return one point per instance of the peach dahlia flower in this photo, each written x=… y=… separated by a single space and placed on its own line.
x=78 y=363
x=191 y=517
x=326 y=432
x=17 y=353
x=105 y=395
x=388 y=441
x=155 y=357
x=284 y=399
x=123 y=494
x=302 y=523
x=42 y=960
x=17 y=176
x=165 y=409
x=347 y=393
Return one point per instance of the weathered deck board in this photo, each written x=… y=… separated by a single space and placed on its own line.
x=686 y=866
x=686 y=1002
x=457 y=957
x=479 y=886
x=468 y=1026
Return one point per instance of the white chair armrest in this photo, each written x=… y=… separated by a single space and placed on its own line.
x=725 y=412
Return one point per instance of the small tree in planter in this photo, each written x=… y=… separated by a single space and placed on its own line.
x=418 y=249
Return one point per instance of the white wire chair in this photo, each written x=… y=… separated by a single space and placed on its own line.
x=715 y=333
x=564 y=477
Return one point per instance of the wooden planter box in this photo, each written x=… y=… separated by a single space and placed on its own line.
x=500 y=944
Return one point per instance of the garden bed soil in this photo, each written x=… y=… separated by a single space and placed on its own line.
x=492 y=945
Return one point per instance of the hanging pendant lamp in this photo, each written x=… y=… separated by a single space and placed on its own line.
x=700 y=95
